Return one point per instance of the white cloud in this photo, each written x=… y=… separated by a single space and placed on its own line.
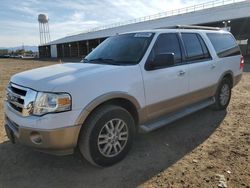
x=25 y=7
x=77 y=16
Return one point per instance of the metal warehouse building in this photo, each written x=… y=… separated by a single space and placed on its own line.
x=232 y=14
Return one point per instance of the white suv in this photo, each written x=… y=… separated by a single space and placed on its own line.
x=133 y=81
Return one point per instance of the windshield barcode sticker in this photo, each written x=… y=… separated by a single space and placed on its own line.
x=143 y=35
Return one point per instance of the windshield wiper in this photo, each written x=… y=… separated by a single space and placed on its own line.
x=101 y=59
x=105 y=61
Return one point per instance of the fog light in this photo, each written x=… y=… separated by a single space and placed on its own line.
x=35 y=137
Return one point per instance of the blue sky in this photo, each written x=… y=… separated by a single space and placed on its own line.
x=18 y=23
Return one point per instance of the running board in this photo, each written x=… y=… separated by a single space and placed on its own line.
x=165 y=120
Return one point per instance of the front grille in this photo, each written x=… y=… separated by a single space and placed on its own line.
x=20 y=98
x=16 y=96
x=17 y=108
x=18 y=90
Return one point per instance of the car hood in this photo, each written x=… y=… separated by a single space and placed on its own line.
x=47 y=78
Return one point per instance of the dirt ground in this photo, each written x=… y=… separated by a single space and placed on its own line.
x=206 y=149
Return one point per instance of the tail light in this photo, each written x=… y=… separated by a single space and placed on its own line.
x=242 y=61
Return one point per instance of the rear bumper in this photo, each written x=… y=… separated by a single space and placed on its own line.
x=60 y=141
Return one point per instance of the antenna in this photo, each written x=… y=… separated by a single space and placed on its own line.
x=44 y=29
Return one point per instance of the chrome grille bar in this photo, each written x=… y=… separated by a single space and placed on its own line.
x=16 y=104
x=14 y=94
x=20 y=99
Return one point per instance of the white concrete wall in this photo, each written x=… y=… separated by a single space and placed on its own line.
x=53 y=51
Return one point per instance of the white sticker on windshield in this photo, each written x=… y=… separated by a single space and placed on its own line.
x=143 y=35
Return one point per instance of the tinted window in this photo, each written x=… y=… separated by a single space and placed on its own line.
x=224 y=44
x=206 y=53
x=167 y=43
x=193 y=46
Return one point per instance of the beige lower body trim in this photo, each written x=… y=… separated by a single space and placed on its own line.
x=154 y=111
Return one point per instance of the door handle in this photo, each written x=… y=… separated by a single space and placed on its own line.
x=181 y=73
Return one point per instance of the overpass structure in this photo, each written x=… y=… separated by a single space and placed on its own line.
x=232 y=14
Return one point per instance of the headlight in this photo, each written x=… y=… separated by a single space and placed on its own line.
x=51 y=102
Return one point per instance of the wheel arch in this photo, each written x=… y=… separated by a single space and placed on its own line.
x=118 y=98
x=228 y=74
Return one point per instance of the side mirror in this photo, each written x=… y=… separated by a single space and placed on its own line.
x=162 y=60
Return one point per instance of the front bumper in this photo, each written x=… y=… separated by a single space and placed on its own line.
x=59 y=140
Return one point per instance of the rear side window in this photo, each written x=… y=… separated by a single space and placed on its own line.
x=206 y=53
x=195 y=47
x=167 y=43
x=224 y=44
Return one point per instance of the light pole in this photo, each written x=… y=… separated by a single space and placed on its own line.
x=226 y=23
x=69 y=50
x=46 y=51
x=87 y=45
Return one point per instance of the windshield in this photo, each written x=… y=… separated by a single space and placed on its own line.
x=126 y=49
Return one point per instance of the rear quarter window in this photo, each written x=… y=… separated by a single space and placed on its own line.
x=224 y=44
x=192 y=45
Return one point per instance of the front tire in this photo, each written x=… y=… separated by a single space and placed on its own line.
x=223 y=95
x=107 y=135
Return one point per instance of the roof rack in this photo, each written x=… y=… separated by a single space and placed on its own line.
x=191 y=27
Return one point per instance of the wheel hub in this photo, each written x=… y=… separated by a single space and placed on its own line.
x=224 y=94
x=113 y=137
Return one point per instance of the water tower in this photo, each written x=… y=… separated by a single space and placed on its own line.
x=44 y=28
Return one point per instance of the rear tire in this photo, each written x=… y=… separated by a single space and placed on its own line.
x=107 y=135
x=223 y=95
